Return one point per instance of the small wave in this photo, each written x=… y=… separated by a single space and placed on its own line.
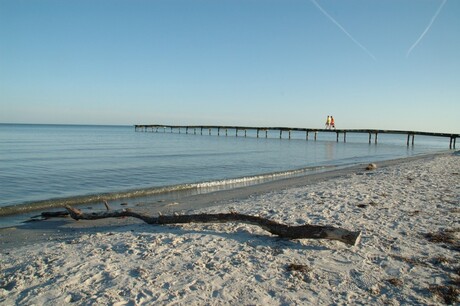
x=191 y=188
x=257 y=179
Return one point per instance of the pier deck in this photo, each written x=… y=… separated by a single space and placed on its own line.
x=224 y=130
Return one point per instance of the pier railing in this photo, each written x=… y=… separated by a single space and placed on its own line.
x=224 y=130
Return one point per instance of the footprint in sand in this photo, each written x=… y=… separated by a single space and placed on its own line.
x=362 y=280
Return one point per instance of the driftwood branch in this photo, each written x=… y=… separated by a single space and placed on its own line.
x=278 y=229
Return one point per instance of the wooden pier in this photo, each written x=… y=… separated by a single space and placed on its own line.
x=239 y=130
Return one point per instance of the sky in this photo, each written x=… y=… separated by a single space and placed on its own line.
x=373 y=64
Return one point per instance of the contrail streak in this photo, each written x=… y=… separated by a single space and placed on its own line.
x=342 y=28
x=426 y=29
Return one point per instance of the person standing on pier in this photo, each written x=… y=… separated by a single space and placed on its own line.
x=328 y=122
x=332 y=125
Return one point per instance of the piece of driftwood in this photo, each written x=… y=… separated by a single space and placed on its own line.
x=279 y=229
x=54 y=214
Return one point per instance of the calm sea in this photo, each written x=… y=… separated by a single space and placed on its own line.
x=53 y=164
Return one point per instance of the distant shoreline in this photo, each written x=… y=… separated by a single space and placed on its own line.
x=67 y=124
x=134 y=125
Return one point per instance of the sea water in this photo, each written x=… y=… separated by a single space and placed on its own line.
x=56 y=164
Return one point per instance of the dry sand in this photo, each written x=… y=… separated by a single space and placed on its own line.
x=409 y=253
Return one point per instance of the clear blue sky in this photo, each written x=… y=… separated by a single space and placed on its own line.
x=389 y=64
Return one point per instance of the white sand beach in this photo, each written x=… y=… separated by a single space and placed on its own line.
x=408 y=213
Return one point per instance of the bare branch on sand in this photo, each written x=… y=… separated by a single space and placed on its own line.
x=282 y=230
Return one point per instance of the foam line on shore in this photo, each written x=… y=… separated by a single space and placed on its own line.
x=189 y=189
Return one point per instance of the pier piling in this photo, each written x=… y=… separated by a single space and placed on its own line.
x=174 y=128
